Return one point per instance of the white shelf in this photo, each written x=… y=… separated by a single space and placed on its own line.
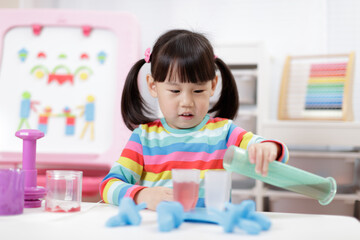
x=317 y=133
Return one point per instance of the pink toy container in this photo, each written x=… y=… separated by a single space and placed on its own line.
x=11 y=191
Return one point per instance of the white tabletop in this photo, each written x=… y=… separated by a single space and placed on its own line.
x=89 y=223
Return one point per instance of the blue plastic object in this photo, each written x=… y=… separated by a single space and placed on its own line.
x=128 y=214
x=248 y=219
x=243 y=216
x=170 y=215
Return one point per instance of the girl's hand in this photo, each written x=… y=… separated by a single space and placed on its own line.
x=152 y=196
x=262 y=154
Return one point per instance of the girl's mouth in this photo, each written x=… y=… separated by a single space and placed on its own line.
x=186 y=116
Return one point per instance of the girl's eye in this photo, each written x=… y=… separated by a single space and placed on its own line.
x=175 y=91
x=199 y=91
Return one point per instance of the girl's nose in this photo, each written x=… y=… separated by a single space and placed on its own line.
x=187 y=100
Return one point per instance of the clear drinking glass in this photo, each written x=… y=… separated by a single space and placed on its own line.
x=64 y=190
x=217 y=189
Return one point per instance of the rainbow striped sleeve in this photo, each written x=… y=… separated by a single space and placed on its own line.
x=239 y=137
x=126 y=172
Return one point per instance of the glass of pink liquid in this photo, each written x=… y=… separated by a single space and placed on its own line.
x=63 y=191
x=186 y=187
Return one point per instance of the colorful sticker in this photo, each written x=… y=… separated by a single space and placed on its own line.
x=69 y=121
x=88 y=111
x=62 y=56
x=39 y=71
x=102 y=57
x=41 y=55
x=61 y=78
x=44 y=119
x=84 y=56
x=26 y=106
x=23 y=53
x=83 y=72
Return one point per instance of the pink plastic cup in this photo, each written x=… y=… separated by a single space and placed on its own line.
x=186 y=187
x=11 y=191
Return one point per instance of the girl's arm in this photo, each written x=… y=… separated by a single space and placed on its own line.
x=261 y=151
x=123 y=177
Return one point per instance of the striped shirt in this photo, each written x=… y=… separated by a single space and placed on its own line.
x=155 y=148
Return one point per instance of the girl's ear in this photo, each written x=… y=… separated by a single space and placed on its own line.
x=213 y=85
x=151 y=85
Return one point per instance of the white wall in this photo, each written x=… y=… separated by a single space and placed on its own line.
x=344 y=35
x=285 y=26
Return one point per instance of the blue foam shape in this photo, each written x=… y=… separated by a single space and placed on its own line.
x=128 y=214
x=243 y=209
x=201 y=215
x=247 y=217
x=226 y=219
x=251 y=227
x=170 y=215
x=241 y=215
x=261 y=219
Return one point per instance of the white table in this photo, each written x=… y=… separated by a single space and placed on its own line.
x=89 y=223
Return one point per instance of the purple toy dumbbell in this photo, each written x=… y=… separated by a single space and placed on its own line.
x=32 y=193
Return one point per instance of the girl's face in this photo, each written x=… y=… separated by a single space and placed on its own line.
x=184 y=105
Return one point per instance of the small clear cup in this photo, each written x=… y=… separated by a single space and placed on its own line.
x=11 y=191
x=64 y=189
x=217 y=189
x=186 y=187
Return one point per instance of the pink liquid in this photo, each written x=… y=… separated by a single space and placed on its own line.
x=52 y=205
x=59 y=209
x=187 y=193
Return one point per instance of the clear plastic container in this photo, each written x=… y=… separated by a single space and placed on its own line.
x=64 y=189
x=283 y=176
x=217 y=189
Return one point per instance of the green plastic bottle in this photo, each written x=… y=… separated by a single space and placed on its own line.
x=283 y=176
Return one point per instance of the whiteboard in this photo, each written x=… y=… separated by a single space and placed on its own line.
x=60 y=68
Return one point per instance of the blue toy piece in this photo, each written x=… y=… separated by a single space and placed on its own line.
x=249 y=226
x=128 y=214
x=226 y=219
x=248 y=219
x=262 y=220
x=241 y=215
x=170 y=215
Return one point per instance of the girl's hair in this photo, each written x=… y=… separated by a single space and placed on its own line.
x=190 y=57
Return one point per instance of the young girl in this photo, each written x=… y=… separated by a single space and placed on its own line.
x=183 y=79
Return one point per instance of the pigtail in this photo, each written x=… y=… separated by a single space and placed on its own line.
x=228 y=103
x=133 y=106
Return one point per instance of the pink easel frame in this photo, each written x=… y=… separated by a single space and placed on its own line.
x=121 y=24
